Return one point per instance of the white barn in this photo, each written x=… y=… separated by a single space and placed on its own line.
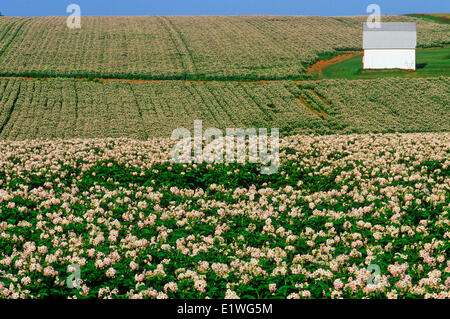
x=391 y=46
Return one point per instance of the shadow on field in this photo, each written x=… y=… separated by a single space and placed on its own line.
x=421 y=65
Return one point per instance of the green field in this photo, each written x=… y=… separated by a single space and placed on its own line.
x=443 y=18
x=429 y=63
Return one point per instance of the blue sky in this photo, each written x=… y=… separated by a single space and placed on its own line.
x=219 y=7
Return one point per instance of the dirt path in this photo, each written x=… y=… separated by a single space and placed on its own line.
x=322 y=64
x=139 y=81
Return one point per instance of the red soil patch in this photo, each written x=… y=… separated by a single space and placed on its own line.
x=310 y=109
x=322 y=64
x=24 y=78
x=412 y=72
x=186 y=81
x=242 y=82
x=376 y=71
x=134 y=80
x=127 y=80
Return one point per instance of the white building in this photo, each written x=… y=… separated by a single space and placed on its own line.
x=391 y=46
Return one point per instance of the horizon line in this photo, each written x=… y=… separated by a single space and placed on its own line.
x=217 y=15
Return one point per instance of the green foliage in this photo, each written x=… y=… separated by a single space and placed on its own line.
x=430 y=63
x=435 y=18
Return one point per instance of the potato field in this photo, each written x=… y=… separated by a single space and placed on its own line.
x=88 y=179
x=140 y=226
x=72 y=109
x=227 y=48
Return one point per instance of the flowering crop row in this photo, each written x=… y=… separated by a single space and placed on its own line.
x=139 y=226
x=71 y=109
x=383 y=105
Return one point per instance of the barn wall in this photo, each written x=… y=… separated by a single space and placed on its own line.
x=390 y=59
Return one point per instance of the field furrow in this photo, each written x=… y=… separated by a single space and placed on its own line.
x=180 y=45
x=8 y=108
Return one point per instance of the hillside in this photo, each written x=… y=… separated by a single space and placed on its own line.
x=66 y=108
x=208 y=47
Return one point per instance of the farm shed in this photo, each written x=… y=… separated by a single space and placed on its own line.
x=391 y=46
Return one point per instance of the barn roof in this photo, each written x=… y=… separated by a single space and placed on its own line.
x=392 y=35
x=392 y=26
